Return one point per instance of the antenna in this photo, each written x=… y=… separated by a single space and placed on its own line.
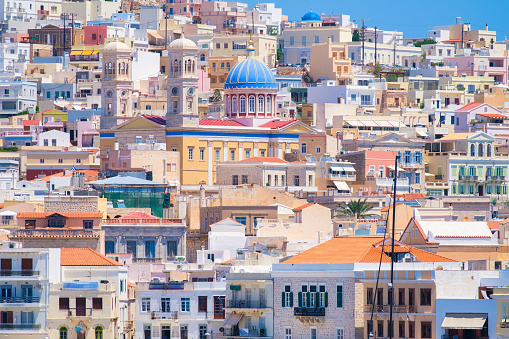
x=252 y=26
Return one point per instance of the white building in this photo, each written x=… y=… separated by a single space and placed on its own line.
x=439 y=33
x=267 y=18
x=48 y=9
x=26 y=275
x=54 y=138
x=16 y=96
x=227 y=236
x=386 y=53
x=20 y=10
x=9 y=173
x=11 y=52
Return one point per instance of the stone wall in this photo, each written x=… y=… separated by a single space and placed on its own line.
x=71 y=204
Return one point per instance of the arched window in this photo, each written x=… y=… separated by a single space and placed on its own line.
x=203 y=57
x=234 y=104
x=269 y=105
x=472 y=150
x=251 y=104
x=242 y=104
x=260 y=104
x=488 y=150
x=62 y=333
x=98 y=332
x=480 y=150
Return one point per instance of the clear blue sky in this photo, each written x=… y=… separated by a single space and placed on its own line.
x=413 y=18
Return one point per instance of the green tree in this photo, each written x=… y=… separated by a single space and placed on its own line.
x=280 y=56
x=424 y=42
x=273 y=31
x=356 y=36
x=377 y=70
x=358 y=208
x=217 y=97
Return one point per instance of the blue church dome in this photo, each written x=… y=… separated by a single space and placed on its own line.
x=311 y=16
x=250 y=73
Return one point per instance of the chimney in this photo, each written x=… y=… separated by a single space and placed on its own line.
x=329 y=40
x=486 y=27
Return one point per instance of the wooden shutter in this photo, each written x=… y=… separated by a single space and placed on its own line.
x=326 y=297
x=291 y=299
x=97 y=303
x=300 y=299
x=6 y=264
x=63 y=303
x=27 y=264
x=308 y=297
x=283 y=299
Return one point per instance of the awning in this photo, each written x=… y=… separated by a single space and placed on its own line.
x=233 y=319
x=76 y=52
x=354 y=123
x=234 y=287
x=396 y=124
x=341 y=185
x=87 y=53
x=383 y=123
x=421 y=134
x=348 y=168
x=368 y=123
x=464 y=321
x=336 y=167
x=391 y=168
x=428 y=175
x=95 y=52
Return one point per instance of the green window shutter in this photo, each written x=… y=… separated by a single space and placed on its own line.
x=504 y=171
x=479 y=171
x=454 y=168
x=317 y=299
x=291 y=299
x=340 y=297
x=326 y=297
x=300 y=299
x=475 y=171
x=308 y=297
x=283 y=299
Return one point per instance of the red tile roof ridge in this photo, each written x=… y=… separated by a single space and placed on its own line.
x=85 y=257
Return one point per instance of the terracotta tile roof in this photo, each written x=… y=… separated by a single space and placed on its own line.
x=155 y=118
x=74 y=215
x=411 y=196
x=456 y=136
x=31 y=122
x=90 y=175
x=300 y=208
x=138 y=215
x=218 y=122
x=495 y=224
x=277 y=123
x=470 y=106
x=386 y=208
x=357 y=249
x=264 y=159
x=84 y=257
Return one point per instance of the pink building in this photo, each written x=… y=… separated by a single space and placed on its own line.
x=203 y=81
x=94 y=35
x=225 y=18
x=188 y=8
x=493 y=66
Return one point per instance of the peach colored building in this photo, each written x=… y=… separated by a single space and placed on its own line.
x=224 y=17
x=330 y=61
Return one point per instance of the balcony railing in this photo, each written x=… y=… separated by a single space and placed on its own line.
x=446 y=336
x=246 y=304
x=51 y=233
x=20 y=300
x=23 y=273
x=395 y=308
x=309 y=312
x=128 y=325
x=439 y=177
x=233 y=332
x=79 y=312
x=20 y=326
x=165 y=315
x=495 y=178
x=146 y=260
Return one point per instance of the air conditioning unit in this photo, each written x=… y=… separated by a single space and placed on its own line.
x=179 y=267
x=408 y=258
x=200 y=266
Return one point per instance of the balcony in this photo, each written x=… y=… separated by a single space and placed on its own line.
x=165 y=315
x=241 y=333
x=468 y=177
x=146 y=260
x=246 y=304
x=341 y=176
x=24 y=273
x=411 y=165
x=18 y=327
x=128 y=325
x=20 y=300
x=439 y=177
x=495 y=178
x=309 y=312
x=166 y=286
x=79 y=313
x=55 y=233
x=395 y=308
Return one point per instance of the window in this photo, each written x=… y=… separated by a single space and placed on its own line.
x=41 y=161
x=411 y=329
x=339 y=296
x=244 y=179
x=97 y=303
x=288 y=333
x=318 y=150
x=292 y=41
x=241 y=220
x=53 y=142
x=251 y=104
x=317 y=39
x=63 y=303
x=425 y=296
x=242 y=104
x=190 y=153
x=202 y=304
x=262 y=152
x=150 y=249
x=417 y=178
x=98 y=332
x=365 y=100
x=60 y=161
x=217 y=154
x=248 y=153
x=304 y=40
x=425 y=329
x=171 y=248
x=165 y=304
x=340 y=333
x=145 y=305
x=287 y=297
x=88 y=224
x=185 y=304
x=260 y=104
x=218 y=45
x=202 y=154
x=296 y=180
x=303 y=148
x=234 y=104
x=269 y=105
x=109 y=247
x=401 y=329
x=312 y=333
x=62 y=333
x=78 y=161
x=45 y=142
x=232 y=155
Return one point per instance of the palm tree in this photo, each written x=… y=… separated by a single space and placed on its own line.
x=358 y=208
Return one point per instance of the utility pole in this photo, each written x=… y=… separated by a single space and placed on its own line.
x=64 y=16
x=394 y=52
x=375 y=45
x=363 y=36
x=391 y=287
x=462 y=29
x=72 y=30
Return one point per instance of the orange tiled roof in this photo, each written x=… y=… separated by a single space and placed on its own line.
x=264 y=159
x=300 y=208
x=90 y=175
x=495 y=224
x=84 y=257
x=138 y=215
x=470 y=106
x=386 y=208
x=356 y=249
x=74 y=215
x=493 y=115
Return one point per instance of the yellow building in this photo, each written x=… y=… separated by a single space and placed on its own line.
x=497 y=97
x=236 y=45
x=219 y=67
x=330 y=61
x=55 y=114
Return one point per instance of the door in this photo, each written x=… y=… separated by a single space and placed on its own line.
x=481 y=190
x=81 y=307
x=262 y=298
x=166 y=332
x=27 y=293
x=6 y=292
x=6 y=266
x=26 y=266
x=6 y=317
